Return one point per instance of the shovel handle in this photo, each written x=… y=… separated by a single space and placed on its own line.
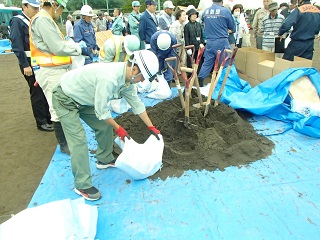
x=216 y=63
x=186 y=48
x=171 y=59
x=174 y=47
x=233 y=56
x=200 y=53
x=186 y=79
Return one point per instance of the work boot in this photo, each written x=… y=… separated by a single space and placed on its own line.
x=201 y=80
x=58 y=130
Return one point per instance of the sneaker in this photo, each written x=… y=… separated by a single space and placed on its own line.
x=101 y=165
x=90 y=194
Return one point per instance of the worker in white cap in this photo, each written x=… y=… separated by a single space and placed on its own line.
x=167 y=18
x=84 y=31
x=84 y=93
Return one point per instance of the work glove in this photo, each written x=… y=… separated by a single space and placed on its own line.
x=86 y=51
x=189 y=52
x=122 y=133
x=96 y=51
x=154 y=131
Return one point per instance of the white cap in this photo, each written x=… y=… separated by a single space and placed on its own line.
x=33 y=3
x=147 y=62
x=168 y=4
x=163 y=41
x=86 y=10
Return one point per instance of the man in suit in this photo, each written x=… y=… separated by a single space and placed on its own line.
x=148 y=23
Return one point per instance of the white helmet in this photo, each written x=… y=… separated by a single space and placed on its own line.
x=164 y=41
x=131 y=43
x=147 y=62
x=86 y=10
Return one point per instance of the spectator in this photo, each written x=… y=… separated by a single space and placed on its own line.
x=69 y=27
x=109 y=22
x=283 y=6
x=4 y=30
x=257 y=22
x=167 y=18
x=217 y=20
x=148 y=23
x=77 y=20
x=177 y=27
x=84 y=31
x=193 y=35
x=118 y=24
x=134 y=20
x=305 y=21
x=19 y=35
x=285 y=12
x=270 y=28
x=101 y=23
x=231 y=37
x=241 y=24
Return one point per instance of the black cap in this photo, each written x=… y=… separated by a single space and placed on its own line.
x=191 y=12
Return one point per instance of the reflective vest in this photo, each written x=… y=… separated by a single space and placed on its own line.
x=118 y=45
x=46 y=59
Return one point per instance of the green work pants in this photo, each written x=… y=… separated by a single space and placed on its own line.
x=70 y=113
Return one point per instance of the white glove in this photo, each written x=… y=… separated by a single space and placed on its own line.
x=189 y=52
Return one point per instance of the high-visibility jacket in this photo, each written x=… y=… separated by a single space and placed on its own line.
x=118 y=45
x=46 y=59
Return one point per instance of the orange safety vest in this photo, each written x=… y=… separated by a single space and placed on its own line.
x=118 y=50
x=46 y=59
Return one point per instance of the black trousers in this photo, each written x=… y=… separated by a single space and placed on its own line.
x=39 y=102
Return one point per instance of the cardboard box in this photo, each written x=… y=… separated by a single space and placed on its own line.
x=253 y=82
x=240 y=60
x=254 y=57
x=281 y=64
x=265 y=70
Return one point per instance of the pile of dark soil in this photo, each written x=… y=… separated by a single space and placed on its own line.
x=219 y=140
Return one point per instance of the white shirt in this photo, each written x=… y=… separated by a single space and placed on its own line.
x=69 y=28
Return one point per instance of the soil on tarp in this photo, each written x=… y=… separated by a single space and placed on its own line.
x=219 y=140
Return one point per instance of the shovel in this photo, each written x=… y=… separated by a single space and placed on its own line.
x=175 y=73
x=213 y=83
x=226 y=76
x=187 y=80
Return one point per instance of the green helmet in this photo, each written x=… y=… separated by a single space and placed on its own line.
x=63 y=3
x=131 y=43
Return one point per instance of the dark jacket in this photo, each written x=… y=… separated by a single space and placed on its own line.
x=305 y=21
x=19 y=34
x=147 y=27
x=192 y=31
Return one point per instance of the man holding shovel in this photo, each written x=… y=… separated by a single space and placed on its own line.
x=84 y=94
x=217 y=20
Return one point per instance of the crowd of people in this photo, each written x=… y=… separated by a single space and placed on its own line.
x=135 y=52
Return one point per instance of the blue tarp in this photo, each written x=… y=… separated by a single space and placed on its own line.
x=5 y=45
x=274 y=198
x=268 y=98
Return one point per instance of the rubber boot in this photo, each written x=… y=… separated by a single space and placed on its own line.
x=201 y=80
x=61 y=138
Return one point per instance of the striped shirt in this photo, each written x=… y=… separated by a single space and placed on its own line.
x=270 y=29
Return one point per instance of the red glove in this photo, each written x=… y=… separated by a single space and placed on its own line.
x=122 y=133
x=154 y=131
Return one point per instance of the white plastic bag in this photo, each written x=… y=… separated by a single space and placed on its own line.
x=246 y=40
x=119 y=105
x=163 y=91
x=77 y=61
x=307 y=109
x=141 y=160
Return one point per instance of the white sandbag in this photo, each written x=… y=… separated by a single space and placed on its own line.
x=246 y=40
x=163 y=91
x=119 y=105
x=140 y=161
x=307 y=109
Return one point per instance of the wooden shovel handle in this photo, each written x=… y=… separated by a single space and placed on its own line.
x=170 y=59
x=200 y=53
x=186 y=48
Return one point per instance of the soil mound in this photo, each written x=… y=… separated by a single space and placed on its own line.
x=219 y=140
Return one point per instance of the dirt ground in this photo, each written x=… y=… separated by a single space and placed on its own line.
x=25 y=151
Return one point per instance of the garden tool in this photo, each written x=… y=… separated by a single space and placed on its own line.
x=175 y=73
x=187 y=80
x=226 y=76
x=225 y=57
x=213 y=82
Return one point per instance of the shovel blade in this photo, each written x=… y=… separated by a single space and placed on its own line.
x=206 y=110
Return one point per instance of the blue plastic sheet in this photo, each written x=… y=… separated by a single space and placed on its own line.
x=274 y=198
x=268 y=97
x=5 y=45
